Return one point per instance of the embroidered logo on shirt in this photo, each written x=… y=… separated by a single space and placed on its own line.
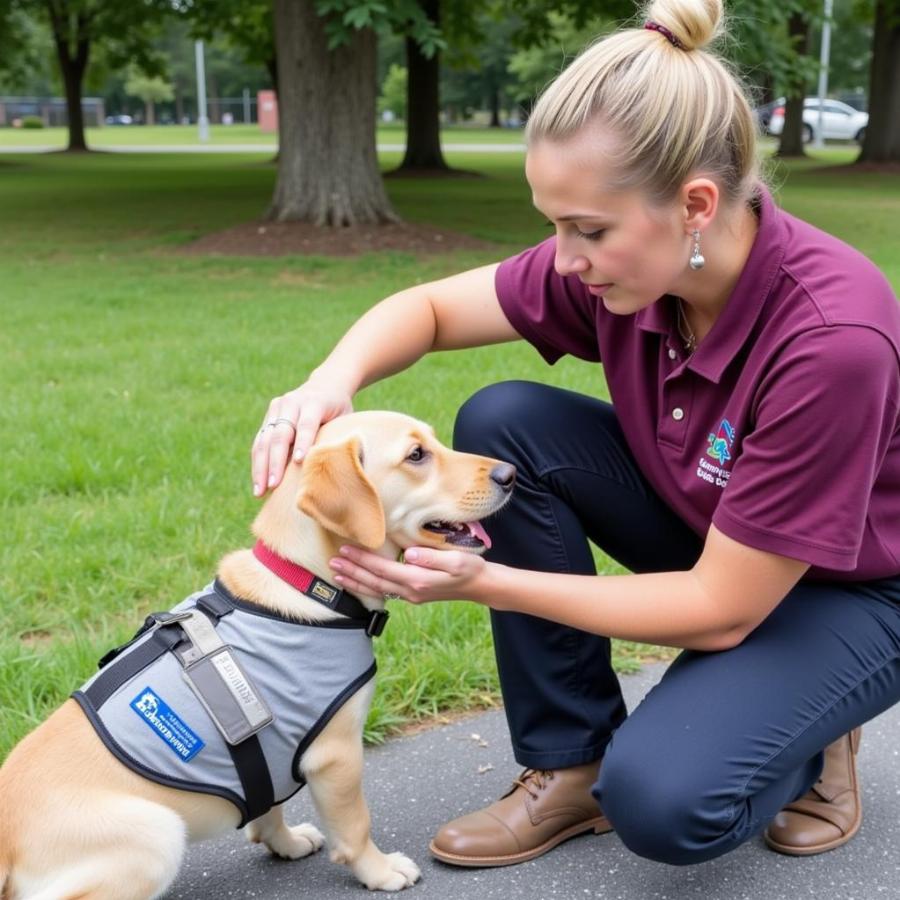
x=720 y=442
x=166 y=724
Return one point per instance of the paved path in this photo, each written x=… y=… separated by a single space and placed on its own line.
x=435 y=776
x=257 y=148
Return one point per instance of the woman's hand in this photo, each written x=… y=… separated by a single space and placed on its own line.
x=427 y=574
x=293 y=420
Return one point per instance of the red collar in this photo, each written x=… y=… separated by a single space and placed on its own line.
x=293 y=573
x=321 y=591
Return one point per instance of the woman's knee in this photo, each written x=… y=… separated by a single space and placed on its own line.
x=656 y=815
x=494 y=412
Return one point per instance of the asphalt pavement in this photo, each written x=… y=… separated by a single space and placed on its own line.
x=414 y=784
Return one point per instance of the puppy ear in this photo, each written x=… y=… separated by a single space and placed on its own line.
x=335 y=491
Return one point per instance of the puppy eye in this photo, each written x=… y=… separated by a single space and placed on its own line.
x=417 y=454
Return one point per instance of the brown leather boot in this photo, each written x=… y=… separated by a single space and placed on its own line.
x=542 y=809
x=830 y=813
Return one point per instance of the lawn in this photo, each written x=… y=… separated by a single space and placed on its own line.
x=134 y=377
x=131 y=135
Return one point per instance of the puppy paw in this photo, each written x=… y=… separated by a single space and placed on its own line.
x=396 y=872
x=296 y=842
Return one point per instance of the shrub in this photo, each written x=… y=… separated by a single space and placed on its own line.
x=32 y=122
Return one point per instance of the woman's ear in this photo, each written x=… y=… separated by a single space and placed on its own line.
x=335 y=491
x=700 y=200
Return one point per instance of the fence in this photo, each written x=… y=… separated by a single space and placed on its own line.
x=50 y=110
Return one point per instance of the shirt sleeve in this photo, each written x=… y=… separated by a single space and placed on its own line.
x=554 y=313
x=824 y=418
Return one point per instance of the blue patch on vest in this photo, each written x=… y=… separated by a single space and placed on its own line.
x=166 y=725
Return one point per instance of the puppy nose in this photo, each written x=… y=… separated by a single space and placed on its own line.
x=504 y=475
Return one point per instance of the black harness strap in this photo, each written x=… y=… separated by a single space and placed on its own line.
x=216 y=605
x=253 y=771
x=116 y=673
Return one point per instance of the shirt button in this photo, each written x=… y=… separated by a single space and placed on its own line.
x=678 y=414
x=672 y=353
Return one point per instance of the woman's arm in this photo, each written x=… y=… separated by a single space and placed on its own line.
x=460 y=311
x=713 y=606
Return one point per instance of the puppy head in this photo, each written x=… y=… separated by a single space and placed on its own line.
x=374 y=477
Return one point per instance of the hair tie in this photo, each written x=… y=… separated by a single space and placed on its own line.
x=655 y=26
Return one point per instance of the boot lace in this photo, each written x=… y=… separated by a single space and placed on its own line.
x=533 y=779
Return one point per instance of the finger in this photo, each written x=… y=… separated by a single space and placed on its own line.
x=356 y=578
x=372 y=562
x=280 y=437
x=310 y=419
x=259 y=452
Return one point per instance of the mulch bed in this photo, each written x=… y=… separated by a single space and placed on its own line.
x=299 y=238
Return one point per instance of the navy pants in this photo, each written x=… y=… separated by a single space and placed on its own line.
x=727 y=738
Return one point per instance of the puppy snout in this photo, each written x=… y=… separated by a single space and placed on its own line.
x=504 y=476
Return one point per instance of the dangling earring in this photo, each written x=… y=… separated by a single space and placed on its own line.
x=697 y=260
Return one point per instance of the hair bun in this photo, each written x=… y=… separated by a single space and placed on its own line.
x=695 y=23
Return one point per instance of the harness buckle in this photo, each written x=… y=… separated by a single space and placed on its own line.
x=377 y=620
x=151 y=623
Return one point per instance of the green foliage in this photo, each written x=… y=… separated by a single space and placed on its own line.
x=26 y=50
x=536 y=66
x=393 y=92
x=150 y=89
x=32 y=122
x=406 y=16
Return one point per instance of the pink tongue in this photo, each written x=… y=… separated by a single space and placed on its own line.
x=477 y=529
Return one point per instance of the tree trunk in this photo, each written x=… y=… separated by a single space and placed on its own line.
x=272 y=69
x=327 y=165
x=882 y=140
x=72 y=51
x=423 y=125
x=215 y=104
x=791 y=143
x=495 y=106
x=149 y=113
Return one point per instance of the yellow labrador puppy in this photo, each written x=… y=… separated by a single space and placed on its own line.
x=220 y=709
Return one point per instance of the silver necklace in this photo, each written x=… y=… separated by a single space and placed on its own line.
x=689 y=339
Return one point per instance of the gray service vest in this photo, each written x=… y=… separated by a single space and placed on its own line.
x=148 y=716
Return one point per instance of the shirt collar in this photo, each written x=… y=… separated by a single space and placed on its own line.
x=736 y=321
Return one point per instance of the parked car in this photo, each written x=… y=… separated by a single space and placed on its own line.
x=839 y=121
x=121 y=119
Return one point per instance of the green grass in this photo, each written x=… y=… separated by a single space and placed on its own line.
x=133 y=378
x=155 y=135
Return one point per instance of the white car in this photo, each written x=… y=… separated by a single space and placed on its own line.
x=839 y=120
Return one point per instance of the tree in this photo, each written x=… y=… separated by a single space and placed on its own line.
x=792 y=133
x=882 y=141
x=327 y=165
x=150 y=89
x=123 y=28
x=423 y=135
x=393 y=92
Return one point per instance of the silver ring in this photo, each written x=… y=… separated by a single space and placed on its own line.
x=286 y=422
x=389 y=596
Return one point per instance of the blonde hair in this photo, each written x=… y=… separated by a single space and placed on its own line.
x=672 y=111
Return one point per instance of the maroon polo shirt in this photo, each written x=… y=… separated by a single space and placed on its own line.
x=782 y=427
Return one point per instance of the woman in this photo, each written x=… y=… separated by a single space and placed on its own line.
x=747 y=472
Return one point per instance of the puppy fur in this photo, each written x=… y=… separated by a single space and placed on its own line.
x=77 y=823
